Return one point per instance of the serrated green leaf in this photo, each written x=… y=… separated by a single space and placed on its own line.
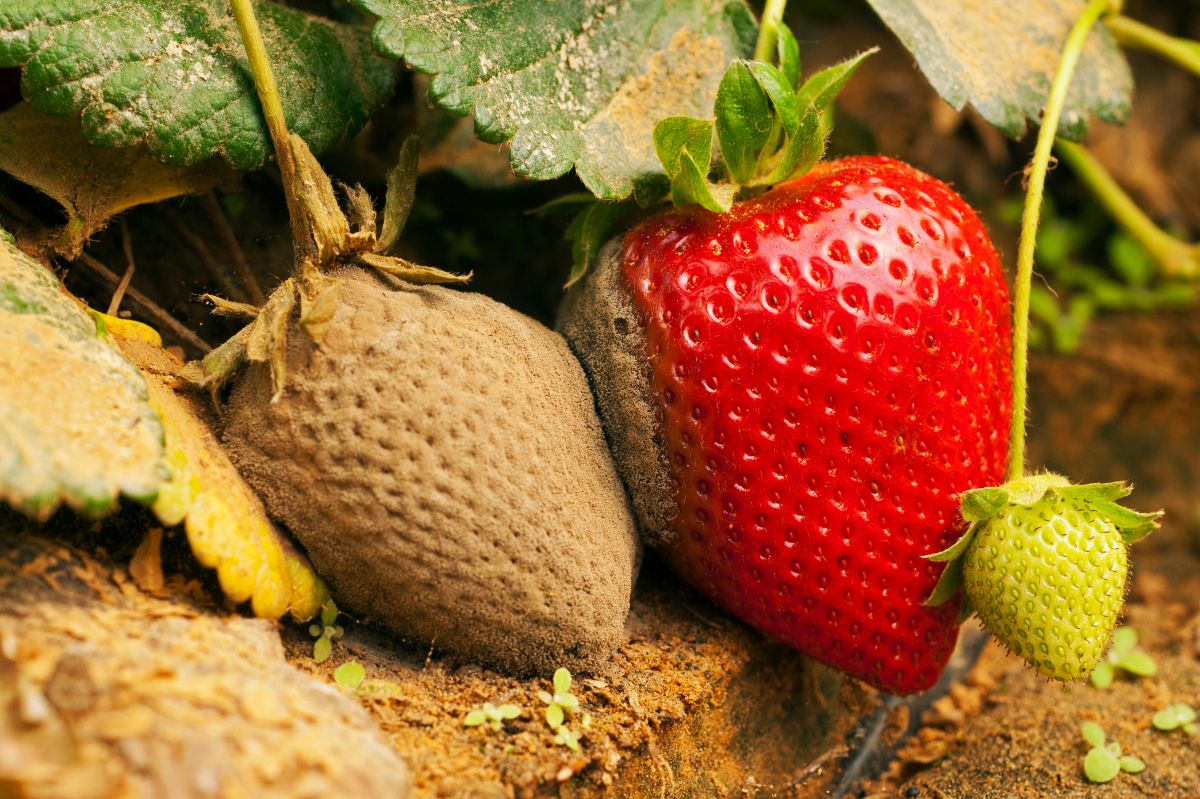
x=76 y=424
x=787 y=55
x=588 y=232
x=174 y=76
x=1000 y=57
x=1093 y=733
x=349 y=675
x=572 y=83
x=743 y=120
x=1101 y=765
x=822 y=88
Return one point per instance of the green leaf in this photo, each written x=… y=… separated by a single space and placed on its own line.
x=1000 y=57
x=787 y=55
x=1103 y=675
x=1173 y=717
x=322 y=649
x=1093 y=733
x=743 y=120
x=572 y=83
x=474 y=718
x=588 y=232
x=949 y=584
x=509 y=711
x=401 y=192
x=683 y=145
x=76 y=424
x=1101 y=765
x=554 y=716
x=822 y=88
x=779 y=91
x=329 y=613
x=1124 y=639
x=174 y=76
x=349 y=675
x=1130 y=260
x=562 y=681
x=1132 y=765
x=1138 y=664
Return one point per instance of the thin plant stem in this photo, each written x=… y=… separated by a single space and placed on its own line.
x=768 y=30
x=114 y=304
x=150 y=310
x=1029 y=224
x=1140 y=36
x=241 y=266
x=1175 y=257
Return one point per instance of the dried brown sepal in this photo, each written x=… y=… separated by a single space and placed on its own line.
x=224 y=307
x=267 y=340
x=407 y=270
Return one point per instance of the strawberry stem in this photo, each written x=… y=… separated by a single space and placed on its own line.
x=768 y=31
x=1176 y=258
x=1137 y=35
x=1029 y=223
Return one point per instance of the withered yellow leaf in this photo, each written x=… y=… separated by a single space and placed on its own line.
x=226 y=524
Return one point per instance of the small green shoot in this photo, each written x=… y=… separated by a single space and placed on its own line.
x=1124 y=655
x=562 y=702
x=349 y=676
x=1104 y=760
x=492 y=715
x=326 y=632
x=1176 y=717
x=564 y=737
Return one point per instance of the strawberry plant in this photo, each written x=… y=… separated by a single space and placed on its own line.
x=798 y=375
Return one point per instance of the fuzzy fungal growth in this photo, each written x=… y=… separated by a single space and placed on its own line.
x=440 y=457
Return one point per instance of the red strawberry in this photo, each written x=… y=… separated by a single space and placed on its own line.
x=828 y=372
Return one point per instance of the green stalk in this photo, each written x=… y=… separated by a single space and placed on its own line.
x=1175 y=257
x=1029 y=223
x=1139 y=36
x=768 y=31
x=268 y=90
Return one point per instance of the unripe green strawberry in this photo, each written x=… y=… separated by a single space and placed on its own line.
x=1044 y=565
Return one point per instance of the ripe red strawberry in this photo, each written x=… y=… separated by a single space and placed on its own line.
x=828 y=372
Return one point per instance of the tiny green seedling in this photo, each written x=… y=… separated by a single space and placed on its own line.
x=1124 y=655
x=1176 y=717
x=349 y=676
x=562 y=702
x=1104 y=760
x=492 y=715
x=326 y=632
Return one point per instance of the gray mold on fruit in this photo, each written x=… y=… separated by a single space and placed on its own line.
x=439 y=456
x=606 y=332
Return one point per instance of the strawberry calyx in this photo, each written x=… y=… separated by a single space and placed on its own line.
x=769 y=126
x=980 y=506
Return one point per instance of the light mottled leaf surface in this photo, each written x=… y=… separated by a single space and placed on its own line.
x=174 y=77
x=572 y=83
x=1000 y=56
x=76 y=426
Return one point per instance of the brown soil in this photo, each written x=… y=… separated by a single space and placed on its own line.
x=693 y=705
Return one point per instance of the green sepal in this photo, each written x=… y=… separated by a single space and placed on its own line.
x=821 y=89
x=803 y=150
x=958 y=548
x=401 y=193
x=1095 y=492
x=683 y=145
x=1133 y=525
x=981 y=504
x=787 y=54
x=588 y=232
x=779 y=92
x=743 y=120
x=949 y=584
